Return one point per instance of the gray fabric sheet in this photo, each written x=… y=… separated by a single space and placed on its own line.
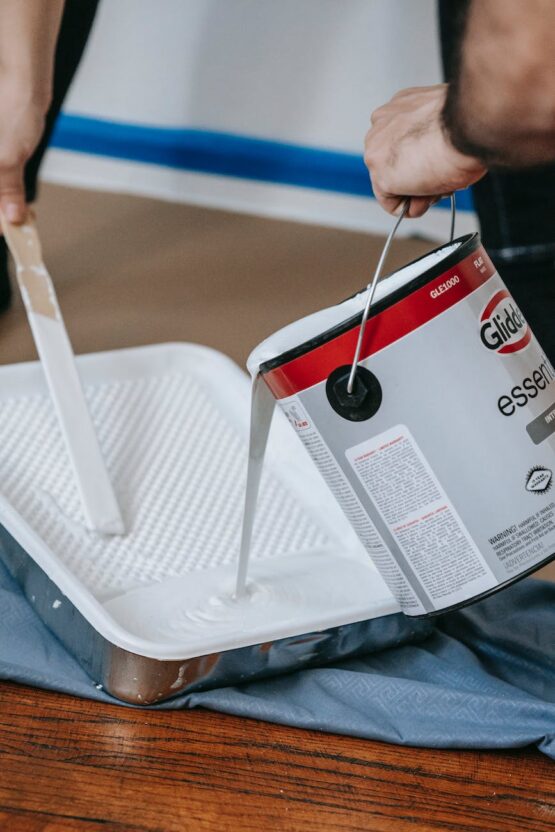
x=485 y=678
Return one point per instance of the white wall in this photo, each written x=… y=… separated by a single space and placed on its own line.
x=302 y=71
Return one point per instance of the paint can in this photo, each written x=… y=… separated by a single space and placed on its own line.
x=442 y=455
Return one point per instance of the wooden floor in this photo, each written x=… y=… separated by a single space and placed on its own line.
x=132 y=271
x=68 y=764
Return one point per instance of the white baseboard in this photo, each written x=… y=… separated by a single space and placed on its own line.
x=239 y=195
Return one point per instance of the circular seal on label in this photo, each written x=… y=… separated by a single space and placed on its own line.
x=539 y=479
x=363 y=402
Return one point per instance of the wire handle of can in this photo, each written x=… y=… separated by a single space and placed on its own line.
x=371 y=288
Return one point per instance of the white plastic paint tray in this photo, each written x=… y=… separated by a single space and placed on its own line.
x=172 y=421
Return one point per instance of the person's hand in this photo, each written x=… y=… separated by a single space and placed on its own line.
x=21 y=127
x=408 y=152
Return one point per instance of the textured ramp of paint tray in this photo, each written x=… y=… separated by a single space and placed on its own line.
x=178 y=469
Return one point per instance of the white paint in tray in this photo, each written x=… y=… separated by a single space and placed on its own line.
x=172 y=422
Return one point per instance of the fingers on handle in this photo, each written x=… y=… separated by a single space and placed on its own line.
x=419 y=205
x=12 y=194
x=393 y=204
x=389 y=202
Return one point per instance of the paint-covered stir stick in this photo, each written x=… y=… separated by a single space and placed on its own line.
x=98 y=499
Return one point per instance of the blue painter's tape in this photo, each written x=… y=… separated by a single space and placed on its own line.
x=221 y=154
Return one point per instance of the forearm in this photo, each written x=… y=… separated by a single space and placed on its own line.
x=501 y=105
x=28 y=34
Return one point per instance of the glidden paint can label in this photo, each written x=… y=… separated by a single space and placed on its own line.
x=443 y=458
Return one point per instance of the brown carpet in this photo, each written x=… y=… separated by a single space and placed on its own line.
x=132 y=271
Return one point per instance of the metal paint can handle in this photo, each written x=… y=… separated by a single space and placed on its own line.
x=371 y=288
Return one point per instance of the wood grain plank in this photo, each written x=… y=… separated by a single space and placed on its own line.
x=88 y=766
x=24 y=821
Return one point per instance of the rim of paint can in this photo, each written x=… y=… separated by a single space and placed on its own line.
x=481 y=596
x=456 y=251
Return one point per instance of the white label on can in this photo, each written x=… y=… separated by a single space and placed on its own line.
x=424 y=523
x=344 y=494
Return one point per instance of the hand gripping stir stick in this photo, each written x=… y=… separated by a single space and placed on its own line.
x=99 y=503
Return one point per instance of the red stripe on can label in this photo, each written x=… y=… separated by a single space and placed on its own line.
x=394 y=323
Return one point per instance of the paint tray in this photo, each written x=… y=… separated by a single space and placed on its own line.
x=137 y=611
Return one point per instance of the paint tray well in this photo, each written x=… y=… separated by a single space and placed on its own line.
x=172 y=422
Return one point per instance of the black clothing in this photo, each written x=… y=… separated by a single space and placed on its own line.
x=516 y=210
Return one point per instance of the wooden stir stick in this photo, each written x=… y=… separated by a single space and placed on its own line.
x=99 y=502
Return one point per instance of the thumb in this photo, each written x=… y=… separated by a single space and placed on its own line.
x=12 y=194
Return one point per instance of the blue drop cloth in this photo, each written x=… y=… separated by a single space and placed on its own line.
x=485 y=678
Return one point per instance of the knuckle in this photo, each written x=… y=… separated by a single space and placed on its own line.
x=368 y=158
x=375 y=165
x=383 y=185
x=376 y=184
x=10 y=160
x=372 y=152
x=10 y=189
